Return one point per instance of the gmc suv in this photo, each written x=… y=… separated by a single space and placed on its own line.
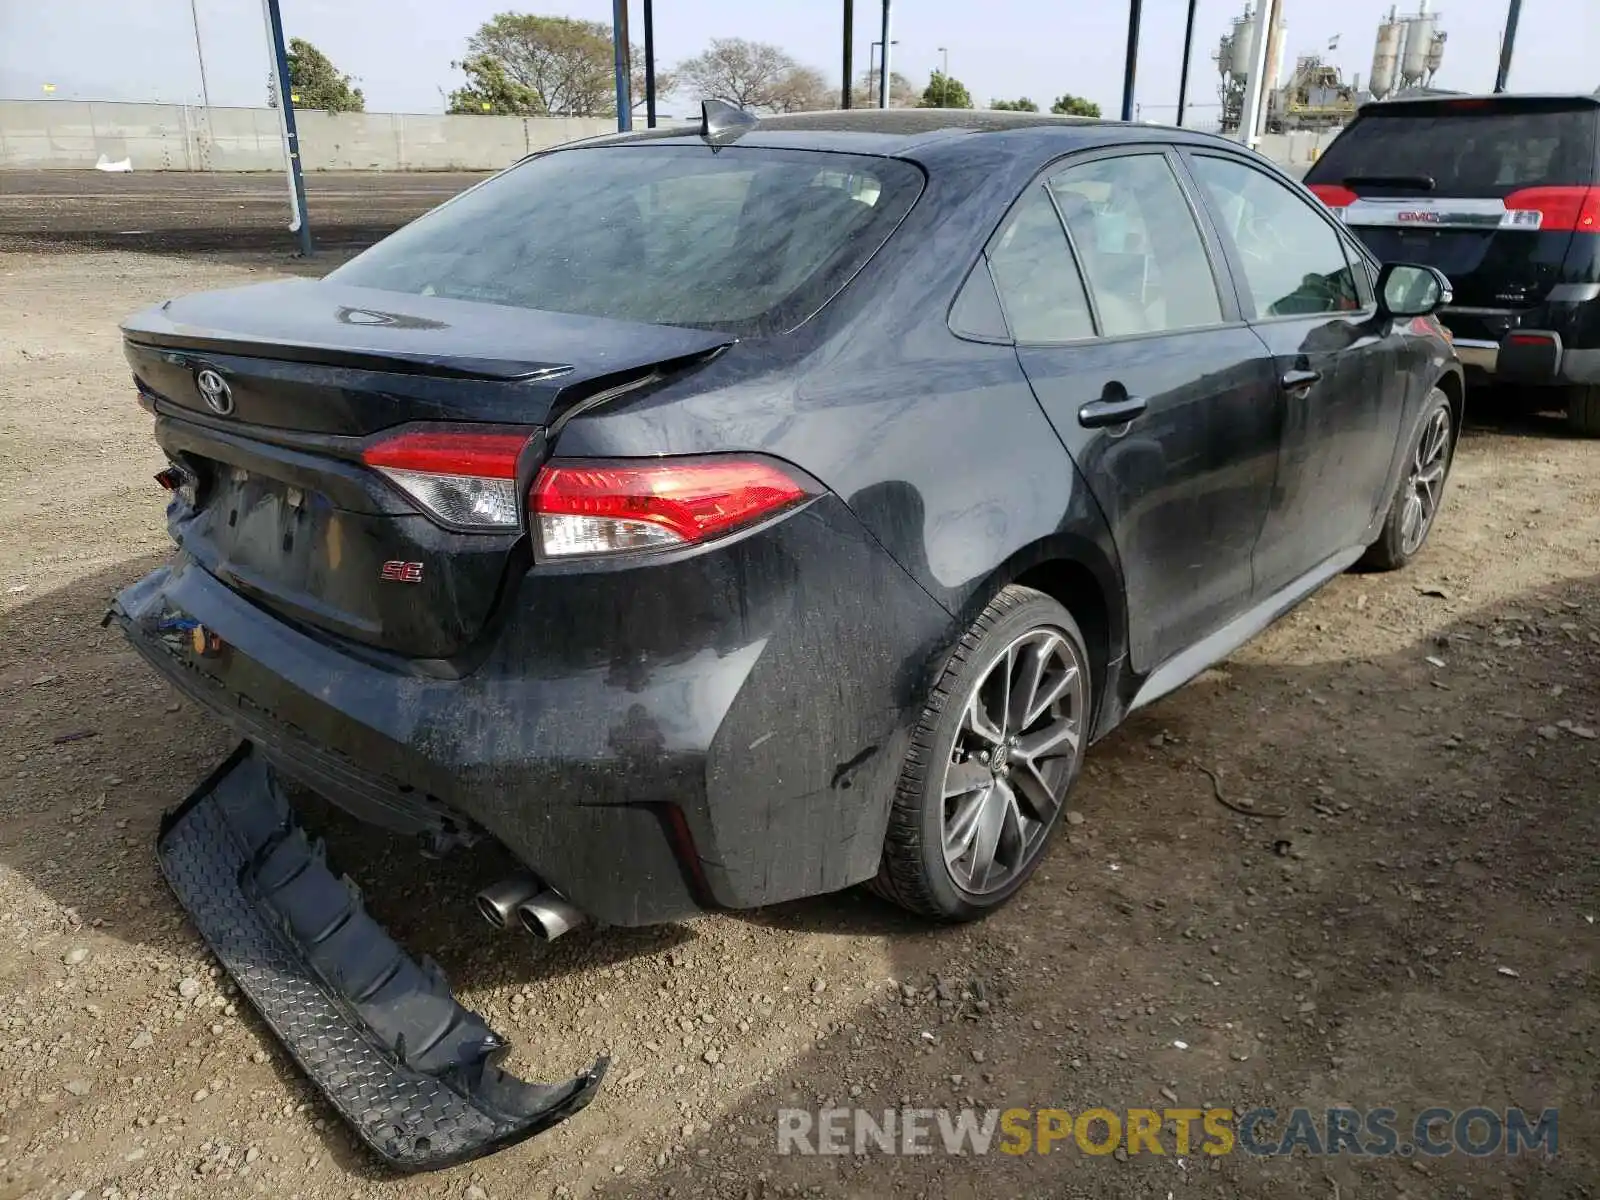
x=1502 y=194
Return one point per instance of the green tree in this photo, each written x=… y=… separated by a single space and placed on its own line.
x=566 y=65
x=945 y=91
x=754 y=76
x=1020 y=105
x=314 y=82
x=489 y=90
x=902 y=92
x=1074 y=106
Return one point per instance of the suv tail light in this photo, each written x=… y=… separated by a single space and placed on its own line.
x=590 y=508
x=1334 y=195
x=466 y=479
x=1559 y=209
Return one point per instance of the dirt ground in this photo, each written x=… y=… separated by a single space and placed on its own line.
x=1414 y=924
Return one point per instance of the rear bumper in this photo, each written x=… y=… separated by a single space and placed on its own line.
x=1551 y=345
x=723 y=730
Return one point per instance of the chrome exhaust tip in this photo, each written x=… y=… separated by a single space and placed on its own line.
x=499 y=902
x=548 y=915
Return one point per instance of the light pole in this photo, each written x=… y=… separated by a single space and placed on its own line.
x=872 y=74
x=944 y=74
x=883 y=61
x=1507 y=41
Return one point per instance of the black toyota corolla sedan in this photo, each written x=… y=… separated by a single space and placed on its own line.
x=725 y=514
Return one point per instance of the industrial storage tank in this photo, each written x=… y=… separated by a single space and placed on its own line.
x=1419 y=43
x=1386 y=56
x=1243 y=40
x=1436 y=53
x=1225 y=56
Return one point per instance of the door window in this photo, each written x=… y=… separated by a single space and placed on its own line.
x=1293 y=260
x=1139 y=245
x=1038 y=282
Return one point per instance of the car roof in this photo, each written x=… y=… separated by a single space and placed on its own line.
x=913 y=132
x=1465 y=104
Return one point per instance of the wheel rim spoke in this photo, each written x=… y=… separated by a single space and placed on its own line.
x=961 y=828
x=1021 y=698
x=1052 y=692
x=1032 y=790
x=986 y=838
x=1055 y=740
x=965 y=777
x=977 y=722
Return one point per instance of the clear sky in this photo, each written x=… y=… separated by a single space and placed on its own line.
x=401 y=49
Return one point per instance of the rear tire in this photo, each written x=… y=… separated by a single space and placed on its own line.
x=1420 y=493
x=1583 y=409
x=991 y=762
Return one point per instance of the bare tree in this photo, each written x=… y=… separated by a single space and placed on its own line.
x=752 y=75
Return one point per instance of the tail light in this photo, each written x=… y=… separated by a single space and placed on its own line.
x=466 y=479
x=1335 y=196
x=1555 y=209
x=590 y=508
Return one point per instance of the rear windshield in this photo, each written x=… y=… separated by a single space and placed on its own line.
x=1464 y=151
x=746 y=240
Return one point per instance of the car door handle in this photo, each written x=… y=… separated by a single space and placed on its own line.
x=1097 y=414
x=1298 y=383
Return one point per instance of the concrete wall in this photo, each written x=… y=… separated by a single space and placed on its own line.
x=1296 y=151
x=72 y=134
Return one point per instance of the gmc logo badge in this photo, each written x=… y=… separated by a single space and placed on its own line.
x=1422 y=214
x=398 y=571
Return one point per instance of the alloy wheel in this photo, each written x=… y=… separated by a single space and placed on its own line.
x=1425 y=485
x=1016 y=752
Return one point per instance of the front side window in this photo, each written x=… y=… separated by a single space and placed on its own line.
x=1294 y=261
x=1140 y=248
x=747 y=240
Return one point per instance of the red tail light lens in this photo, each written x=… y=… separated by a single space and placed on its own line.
x=582 y=508
x=1559 y=209
x=1333 y=195
x=464 y=478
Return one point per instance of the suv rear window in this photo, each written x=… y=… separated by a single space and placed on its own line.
x=1469 y=148
x=747 y=240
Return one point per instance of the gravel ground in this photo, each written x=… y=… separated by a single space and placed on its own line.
x=1416 y=927
x=175 y=212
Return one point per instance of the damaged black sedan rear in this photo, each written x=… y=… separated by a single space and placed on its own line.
x=713 y=525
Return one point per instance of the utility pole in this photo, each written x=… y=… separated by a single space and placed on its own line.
x=649 y=64
x=1188 y=46
x=619 y=38
x=1131 y=61
x=944 y=88
x=1505 y=46
x=1256 y=82
x=199 y=53
x=883 y=61
x=286 y=126
x=849 y=45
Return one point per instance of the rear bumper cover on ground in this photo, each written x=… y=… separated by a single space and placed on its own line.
x=723 y=731
x=411 y=1070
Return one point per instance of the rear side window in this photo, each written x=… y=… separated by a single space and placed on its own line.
x=1034 y=273
x=748 y=240
x=1463 y=151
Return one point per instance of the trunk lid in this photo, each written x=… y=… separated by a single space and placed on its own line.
x=1490 y=190
x=271 y=494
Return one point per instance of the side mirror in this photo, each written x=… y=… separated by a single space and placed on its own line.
x=1409 y=290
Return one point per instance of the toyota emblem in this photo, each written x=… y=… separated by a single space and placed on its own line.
x=214 y=390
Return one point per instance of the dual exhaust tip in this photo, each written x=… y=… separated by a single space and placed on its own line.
x=524 y=901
